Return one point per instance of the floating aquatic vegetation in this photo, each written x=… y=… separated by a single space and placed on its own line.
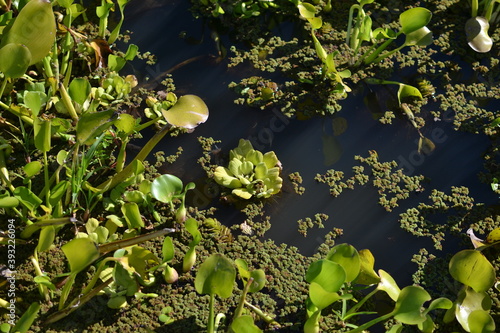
x=250 y=173
x=257 y=91
x=458 y=206
x=308 y=223
x=296 y=180
x=392 y=184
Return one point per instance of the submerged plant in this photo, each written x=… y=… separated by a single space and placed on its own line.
x=250 y=173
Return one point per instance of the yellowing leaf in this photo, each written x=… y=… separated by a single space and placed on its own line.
x=188 y=112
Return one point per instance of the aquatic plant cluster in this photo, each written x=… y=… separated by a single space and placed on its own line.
x=100 y=241
x=391 y=183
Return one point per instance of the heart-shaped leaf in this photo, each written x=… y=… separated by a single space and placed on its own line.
x=346 y=256
x=188 y=112
x=320 y=297
x=79 y=90
x=92 y=125
x=469 y=301
x=471 y=268
x=14 y=60
x=414 y=19
x=408 y=309
x=388 y=285
x=328 y=274
x=166 y=187
x=35 y=28
x=216 y=275
x=80 y=253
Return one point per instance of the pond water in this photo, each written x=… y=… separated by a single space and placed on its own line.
x=456 y=160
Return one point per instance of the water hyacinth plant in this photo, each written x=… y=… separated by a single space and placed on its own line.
x=250 y=173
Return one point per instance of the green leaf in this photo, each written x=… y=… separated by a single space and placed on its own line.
x=408 y=309
x=61 y=157
x=312 y=323
x=259 y=280
x=140 y=259
x=388 y=285
x=24 y=323
x=328 y=274
x=481 y=321
x=244 y=324
x=45 y=281
x=440 y=303
x=43 y=134
x=320 y=297
x=191 y=226
x=80 y=253
x=92 y=125
x=242 y=193
x=243 y=269
x=346 y=256
x=125 y=123
x=420 y=37
x=116 y=63
x=32 y=168
x=102 y=234
x=132 y=215
x=367 y=274
x=188 y=112
x=166 y=187
x=414 y=19
x=14 y=60
x=320 y=51
x=425 y=145
x=190 y=257
x=216 y=276
x=5 y=328
x=406 y=91
x=316 y=22
x=330 y=63
x=469 y=301
x=306 y=10
x=471 y=268
x=29 y=199
x=47 y=235
x=35 y=28
x=34 y=101
x=167 y=249
x=493 y=236
x=79 y=90
x=122 y=278
x=131 y=52
x=117 y=302
x=116 y=31
x=9 y=202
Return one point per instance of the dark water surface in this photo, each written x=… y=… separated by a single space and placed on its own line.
x=299 y=145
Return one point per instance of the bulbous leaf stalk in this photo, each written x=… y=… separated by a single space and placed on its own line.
x=476 y=29
x=250 y=173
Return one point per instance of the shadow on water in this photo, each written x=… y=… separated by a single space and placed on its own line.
x=299 y=146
